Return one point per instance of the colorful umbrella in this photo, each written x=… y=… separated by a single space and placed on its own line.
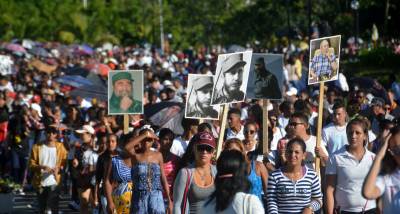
x=15 y=48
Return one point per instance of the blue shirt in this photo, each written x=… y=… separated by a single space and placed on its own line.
x=322 y=65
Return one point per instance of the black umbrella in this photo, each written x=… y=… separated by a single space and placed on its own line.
x=166 y=115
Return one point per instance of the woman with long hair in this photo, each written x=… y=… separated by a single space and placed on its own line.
x=148 y=175
x=231 y=187
x=195 y=183
x=347 y=169
x=383 y=179
x=256 y=172
x=294 y=188
x=118 y=179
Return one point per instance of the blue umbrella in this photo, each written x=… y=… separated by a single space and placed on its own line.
x=39 y=51
x=74 y=80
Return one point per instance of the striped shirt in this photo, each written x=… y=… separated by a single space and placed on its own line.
x=287 y=196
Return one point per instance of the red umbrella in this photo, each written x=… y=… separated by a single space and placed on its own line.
x=101 y=69
x=15 y=48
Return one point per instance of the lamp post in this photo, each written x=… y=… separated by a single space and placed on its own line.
x=355 y=5
x=161 y=28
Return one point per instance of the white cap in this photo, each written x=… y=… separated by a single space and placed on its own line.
x=37 y=108
x=292 y=91
x=86 y=129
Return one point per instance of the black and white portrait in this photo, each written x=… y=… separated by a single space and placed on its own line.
x=231 y=78
x=266 y=77
x=198 y=104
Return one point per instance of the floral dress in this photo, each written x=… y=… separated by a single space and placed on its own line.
x=122 y=194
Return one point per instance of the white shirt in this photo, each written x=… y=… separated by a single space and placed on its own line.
x=283 y=121
x=310 y=149
x=279 y=134
x=334 y=137
x=231 y=134
x=48 y=157
x=242 y=203
x=350 y=175
x=89 y=158
x=179 y=146
x=389 y=186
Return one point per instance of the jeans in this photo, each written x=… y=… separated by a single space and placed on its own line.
x=48 y=197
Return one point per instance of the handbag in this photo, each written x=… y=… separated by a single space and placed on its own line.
x=246 y=204
x=184 y=199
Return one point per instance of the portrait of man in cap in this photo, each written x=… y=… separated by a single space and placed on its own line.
x=122 y=99
x=231 y=75
x=266 y=85
x=198 y=104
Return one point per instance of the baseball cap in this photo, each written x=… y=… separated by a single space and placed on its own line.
x=202 y=82
x=231 y=61
x=205 y=138
x=377 y=101
x=37 y=108
x=292 y=91
x=86 y=129
x=121 y=75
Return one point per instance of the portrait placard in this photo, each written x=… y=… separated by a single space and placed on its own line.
x=231 y=77
x=125 y=92
x=198 y=102
x=324 y=59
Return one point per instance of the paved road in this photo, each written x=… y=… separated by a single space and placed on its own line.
x=27 y=204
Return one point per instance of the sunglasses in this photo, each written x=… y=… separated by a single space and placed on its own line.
x=294 y=124
x=202 y=148
x=249 y=131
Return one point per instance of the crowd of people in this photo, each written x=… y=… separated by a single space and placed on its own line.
x=56 y=143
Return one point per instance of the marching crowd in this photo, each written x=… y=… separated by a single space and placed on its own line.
x=56 y=143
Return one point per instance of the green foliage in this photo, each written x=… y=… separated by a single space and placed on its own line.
x=381 y=57
x=7 y=186
x=190 y=22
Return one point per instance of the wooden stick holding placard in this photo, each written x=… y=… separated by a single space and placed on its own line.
x=265 y=142
x=222 y=129
x=319 y=125
x=126 y=123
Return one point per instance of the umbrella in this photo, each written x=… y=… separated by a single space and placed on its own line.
x=15 y=48
x=39 y=51
x=101 y=69
x=43 y=67
x=77 y=71
x=74 y=80
x=166 y=115
x=86 y=49
x=90 y=92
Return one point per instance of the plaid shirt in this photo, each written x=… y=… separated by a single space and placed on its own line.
x=321 y=64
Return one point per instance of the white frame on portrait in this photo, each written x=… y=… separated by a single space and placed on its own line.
x=189 y=90
x=336 y=77
x=221 y=57
x=109 y=90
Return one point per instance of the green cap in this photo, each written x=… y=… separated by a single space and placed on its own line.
x=121 y=75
